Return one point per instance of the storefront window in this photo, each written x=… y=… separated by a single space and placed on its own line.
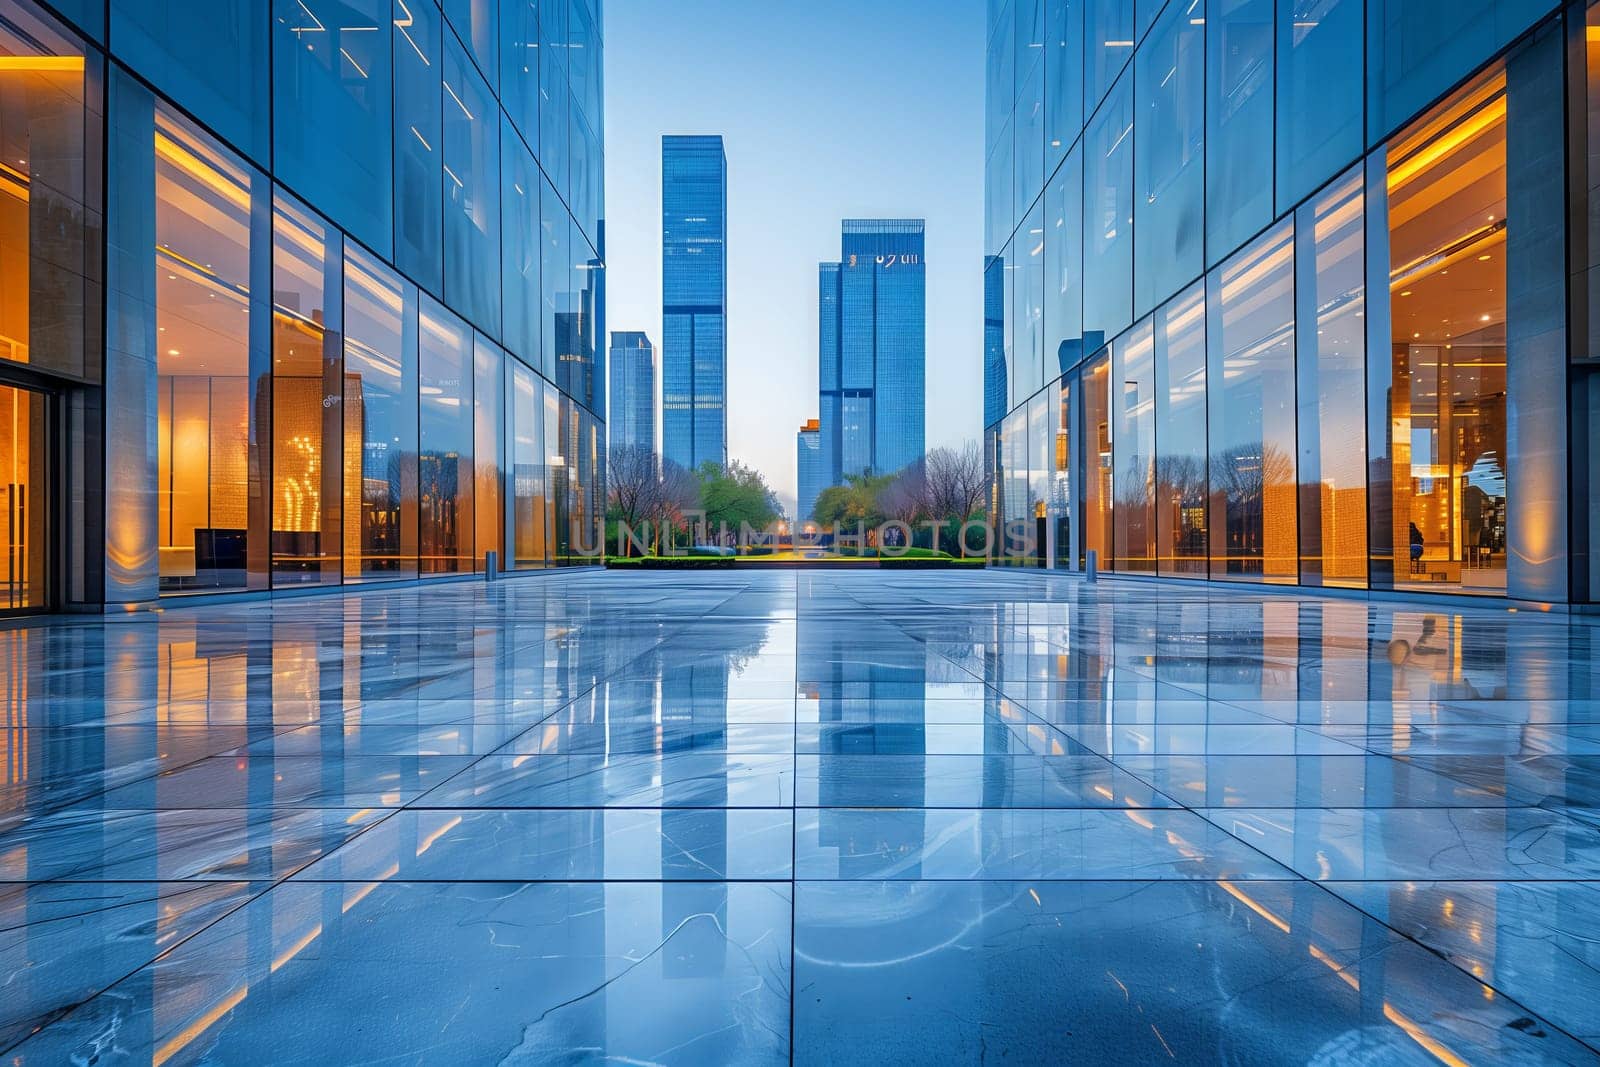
x=555 y=474
x=1041 y=438
x=307 y=397
x=49 y=197
x=528 y=468
x=489 y=419
x=1096 y=437
x=202 y=259
x=1448 y=235
x=1330 y=306
x=445 y=468
x=1133 y=438
x=1180 y=383
x=1061 y=479
x=380 y=421
x=1250 y=376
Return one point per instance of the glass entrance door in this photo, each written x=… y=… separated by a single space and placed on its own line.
x=23 y=504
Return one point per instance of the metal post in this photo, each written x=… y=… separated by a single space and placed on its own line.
x=491 y=565
x=1091 y=566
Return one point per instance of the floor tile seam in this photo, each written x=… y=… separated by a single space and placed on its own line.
x=270 y=886
x=501 y=750
x=1369 y=914
x=62 y=1014
x=794 y=820
x=1461 y=968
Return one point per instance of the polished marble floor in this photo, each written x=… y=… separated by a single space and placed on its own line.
x=827 y=816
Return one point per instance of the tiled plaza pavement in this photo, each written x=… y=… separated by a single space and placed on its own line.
x=829 y=816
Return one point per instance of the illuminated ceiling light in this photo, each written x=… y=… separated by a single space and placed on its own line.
x=1483 y=259
x=1484 y=319
x=42 y=64
x=1405 y=292
x=172 y=351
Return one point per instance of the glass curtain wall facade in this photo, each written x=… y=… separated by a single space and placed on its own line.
x=809 y=476
x=694 y=301
x=872 y=339
x=1303 y=312
x=271 y=275
x=631 y=421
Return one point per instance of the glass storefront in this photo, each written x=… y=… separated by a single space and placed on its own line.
x=24 y=508
x=1369 y=386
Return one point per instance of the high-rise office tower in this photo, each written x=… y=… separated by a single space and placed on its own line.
x=631 y=418
x=810 y=476
x=871 y=331
x=694 y=289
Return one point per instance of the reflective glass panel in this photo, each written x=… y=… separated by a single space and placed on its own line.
x=202 y=263
x=307 y=397
x=489 y=418
x=208 y=55
x=445 y=469
x=477 y=23
x=1330 y=304
x=527 y=467
x=1108 y=42
x=555 y=472
x=1239 y=86
x=1063 y=268
x=1320 y=62
x=380 y=421
x=50 y=232
x=1029 y=374
x=333 y=98
x=1108 y=216
x=519 y=65
x=1169 y=158
x=1063 y=78
x=1061 y=500
x=418 y=143
x=1133 y=437
x=1096 y=423
x=1448 y=243
x=24 y=507
x=520 y=246
x=1250 y=354
x=1028 y=175
x=472 y=193
x=1180 y=367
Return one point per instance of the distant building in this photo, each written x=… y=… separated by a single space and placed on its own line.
x=694 y=288
x=872 y=332
x=631 y=418
x=812 y=479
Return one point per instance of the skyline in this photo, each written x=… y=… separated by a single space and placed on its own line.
x=792 y=183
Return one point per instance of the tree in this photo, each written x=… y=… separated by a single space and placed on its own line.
x=735 y=495
x=647 y=495
x=955 y=485
x=856 y=501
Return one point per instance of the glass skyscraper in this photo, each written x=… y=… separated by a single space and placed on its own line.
x=296 y=294
x=631 y=416
x=810 y=476
x=1297 y=292
x=694 y=301
x=871 y=332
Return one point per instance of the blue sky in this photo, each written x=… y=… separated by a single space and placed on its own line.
x=829 y=109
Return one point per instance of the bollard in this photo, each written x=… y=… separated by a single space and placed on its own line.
x=491 y=565
x=1091 y=566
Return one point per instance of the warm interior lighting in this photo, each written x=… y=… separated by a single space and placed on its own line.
x=42 y=64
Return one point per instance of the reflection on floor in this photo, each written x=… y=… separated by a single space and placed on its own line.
x=836 y=816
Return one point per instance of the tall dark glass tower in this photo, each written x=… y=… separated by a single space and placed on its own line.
x=694 y=289
x=632 y=412
x=871 y=331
